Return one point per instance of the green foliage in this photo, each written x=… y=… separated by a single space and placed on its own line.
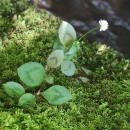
x=68 y=68
x=27 y=99
x=57 y=95
x=57 y=45
x=13 y=89
x=32 y=73
x=64 y=50
x=49 y=79
x=72 y=51
x=67 y=34
x=102 y=103
x=55 y=59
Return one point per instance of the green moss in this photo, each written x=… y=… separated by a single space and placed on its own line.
x=9 y=9
x=101 y=104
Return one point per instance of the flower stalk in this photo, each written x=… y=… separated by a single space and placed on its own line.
x=103 y=26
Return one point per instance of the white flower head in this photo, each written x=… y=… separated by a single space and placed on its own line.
x=103 y=25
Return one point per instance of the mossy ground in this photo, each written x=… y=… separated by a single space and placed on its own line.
x=103 y=103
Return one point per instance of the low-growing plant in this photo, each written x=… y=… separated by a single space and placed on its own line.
x=33 y=74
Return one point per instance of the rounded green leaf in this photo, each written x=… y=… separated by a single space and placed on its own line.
x=67 y=34
x=13 y=89
x=68 y=68
x=57 y=95
x=27 y=99
x=32 y=73
x=55 y=59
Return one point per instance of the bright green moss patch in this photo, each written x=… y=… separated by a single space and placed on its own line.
x=9 y=9
x=103 y=103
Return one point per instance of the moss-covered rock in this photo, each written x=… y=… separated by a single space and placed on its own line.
x=102 y=103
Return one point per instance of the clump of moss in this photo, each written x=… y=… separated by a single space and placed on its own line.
x=102 y=103
x=9 y=9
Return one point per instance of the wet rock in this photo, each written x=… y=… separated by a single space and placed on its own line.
x=85 y=14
